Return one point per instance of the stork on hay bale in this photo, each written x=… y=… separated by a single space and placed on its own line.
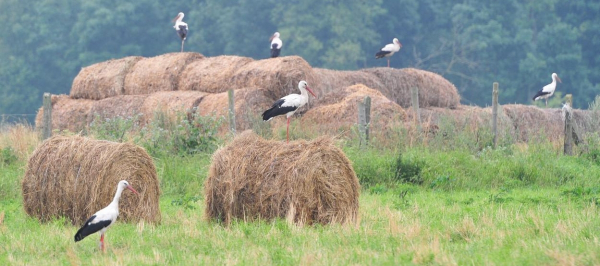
x=304 y=182
x=76 y=176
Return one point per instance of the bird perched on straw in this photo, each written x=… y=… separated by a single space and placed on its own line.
x=547 y=90
x=276 y=44
x=288 y=105
x=181 y=27
x=389 y=50
x=102 y=219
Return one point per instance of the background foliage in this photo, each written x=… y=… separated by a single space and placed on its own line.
x=472 y=43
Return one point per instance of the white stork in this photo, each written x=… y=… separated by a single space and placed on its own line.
x=276 y=44
x=181 y=27
x=389 y=50
x=547 y=90
x=288 y=105
x=102 y=219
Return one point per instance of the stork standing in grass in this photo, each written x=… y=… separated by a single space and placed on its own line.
x=276 y=44
x=181 y=28
x=547 y=90
x=389 y=50
x=101 y=220
x=288 y=105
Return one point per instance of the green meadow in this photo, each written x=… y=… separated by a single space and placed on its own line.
x=451 y=201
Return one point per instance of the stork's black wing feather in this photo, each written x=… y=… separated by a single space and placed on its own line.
x=89 y=228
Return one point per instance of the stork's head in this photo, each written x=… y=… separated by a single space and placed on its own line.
x=275 y=35
x=123 y=184
x=302 y=85
x=179 y=17
x=555 y=76
x=397 y=42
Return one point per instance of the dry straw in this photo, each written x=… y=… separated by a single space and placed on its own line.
x=67 y=113
x=280 y=76
x=334 y=80
x=211 y=74
x=339 y=110
x=102 y=80
x=159 y=73
x=75 y=176
x=434 y=90
x=304 y=182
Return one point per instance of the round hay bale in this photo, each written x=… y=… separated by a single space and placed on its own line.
x=211 y=74
x=249 y=105
x=102 y=80
x=302 y=181
x=332 y=80
x=279 y=75
x=67 y=113
x=76 y=176
x=170 y=104
x=531 y=122
x=434 y=90
x=339 y=110
x=126 y=106
x=159 y=73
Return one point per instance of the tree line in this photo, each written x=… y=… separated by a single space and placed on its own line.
x=43 y=45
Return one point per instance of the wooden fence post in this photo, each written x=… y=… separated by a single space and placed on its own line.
x=495 y=113
x=364 y=118
x=568 y=146
x=47 y=116
x=230 y=94
x=414 y=96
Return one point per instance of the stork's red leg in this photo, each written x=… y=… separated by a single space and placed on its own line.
x=388 y=62
x=287 y=132
x=102 y=242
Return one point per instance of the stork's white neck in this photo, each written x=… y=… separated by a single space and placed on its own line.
x=553 y=79
x=115 y=200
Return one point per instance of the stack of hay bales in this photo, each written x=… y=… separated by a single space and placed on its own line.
x=249 y=104
x=211 y=74
x=280 y=75
x=531 y=122
x=75 y=176
x=303 y=182
x=103 y=80
x=159 y=73
x=67 y=113
x=339 y=110
x=434 y=90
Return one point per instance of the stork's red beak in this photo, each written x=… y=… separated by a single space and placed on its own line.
x=133 y=190
x=557 y=78
x=311 y=92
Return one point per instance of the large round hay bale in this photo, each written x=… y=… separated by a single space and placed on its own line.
x=332 y=80
x=125 y=106
x=302 y=181
x=67 y=113
x=211 y=74
x=249 y=105
x=170 y=104
x=339 y=110
x=279 y=75
x=102 y=80
x=434 y=90
x=531 y=122
x=159 y=73
x=76 y=176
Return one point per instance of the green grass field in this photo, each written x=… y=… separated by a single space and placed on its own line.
x=515 y=205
